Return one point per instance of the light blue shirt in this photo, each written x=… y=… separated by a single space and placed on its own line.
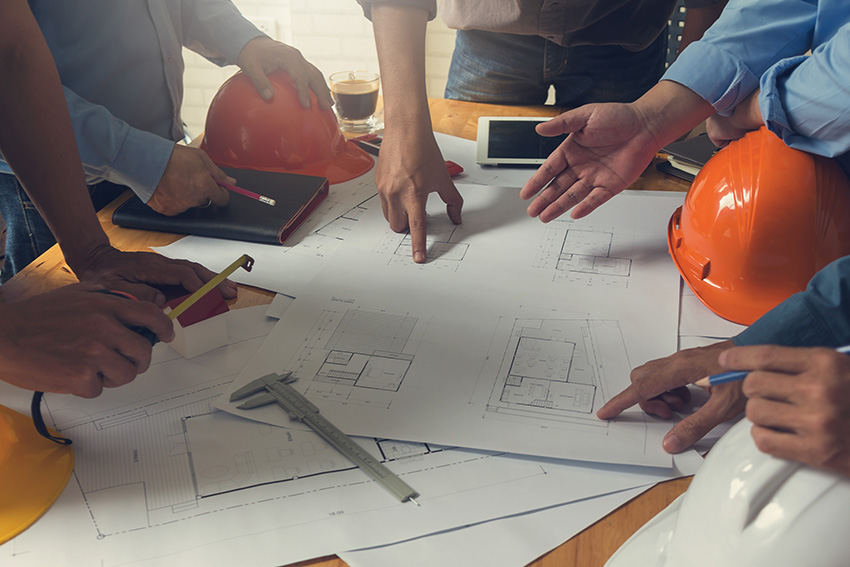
x=805 y=100
x=121 y=65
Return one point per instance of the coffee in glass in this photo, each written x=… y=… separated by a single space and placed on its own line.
x=355 y=96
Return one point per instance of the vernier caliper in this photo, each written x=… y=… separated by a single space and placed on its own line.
x=277 y=390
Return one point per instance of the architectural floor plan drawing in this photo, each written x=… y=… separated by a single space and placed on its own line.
x=584 y=254
x=555 y=371
x=342 y=226
x=357 y=356
x=161 y=479
x=443 y=252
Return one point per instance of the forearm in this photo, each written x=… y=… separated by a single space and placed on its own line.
x=400 y=41
x=31 y=95
x=670 y=110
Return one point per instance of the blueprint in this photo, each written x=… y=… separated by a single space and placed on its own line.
x=513 y=330
x=163 y=479
x=286 y=269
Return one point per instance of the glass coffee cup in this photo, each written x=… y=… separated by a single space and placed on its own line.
x=355 y=95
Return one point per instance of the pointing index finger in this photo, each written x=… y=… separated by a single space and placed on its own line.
x=418 y=234
x=619 y=403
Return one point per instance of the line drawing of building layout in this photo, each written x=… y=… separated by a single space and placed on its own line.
x=343 y=225
x=583 y=254
x=161 y=476
x=169 y=463
x=147 y=461
x=553 y=371
x=357 y=356
x=443 y=251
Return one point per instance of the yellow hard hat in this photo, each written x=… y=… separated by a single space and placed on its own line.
x=33 y=472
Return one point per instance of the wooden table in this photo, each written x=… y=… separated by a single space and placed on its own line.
x=593 y=546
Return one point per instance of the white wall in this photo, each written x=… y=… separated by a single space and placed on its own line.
x=332 y=34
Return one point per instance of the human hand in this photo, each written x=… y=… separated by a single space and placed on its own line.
x=410 y=167
x=136 y=272
x=262 y=55
x=798 y=401
x=745 y=118
x=608 y=147
x=189 y=181
x=659 y=386
x=75 y=341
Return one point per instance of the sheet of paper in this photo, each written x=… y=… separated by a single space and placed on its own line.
x=161 y=479
x=697 y=320
x=521 y=539
x=509 y=338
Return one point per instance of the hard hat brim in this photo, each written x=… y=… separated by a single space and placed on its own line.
x=33 y=472
x=349 y=163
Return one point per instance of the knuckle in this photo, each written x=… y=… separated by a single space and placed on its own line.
x=764 y=443
x=755 y=411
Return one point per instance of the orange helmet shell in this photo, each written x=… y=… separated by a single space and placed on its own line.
x=758 y=222
x=244 y=131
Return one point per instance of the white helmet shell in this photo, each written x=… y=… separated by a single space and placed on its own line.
x=746 y=508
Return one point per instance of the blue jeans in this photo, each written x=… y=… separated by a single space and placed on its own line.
x=500 y=68
x=27 y=235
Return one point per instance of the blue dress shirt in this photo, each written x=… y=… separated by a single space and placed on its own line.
x=121 y=65
x=762 y=43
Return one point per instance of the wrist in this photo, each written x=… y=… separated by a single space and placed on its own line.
x=80 y=255
x=671 y=109
x=747 y=115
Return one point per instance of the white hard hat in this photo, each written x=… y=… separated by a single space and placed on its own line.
x=746 y=508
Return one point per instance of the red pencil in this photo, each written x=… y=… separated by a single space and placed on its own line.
x=262 y=198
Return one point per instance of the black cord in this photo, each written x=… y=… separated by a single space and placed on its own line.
x=38 y=420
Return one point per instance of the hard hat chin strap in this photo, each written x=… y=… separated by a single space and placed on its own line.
x=38 y=420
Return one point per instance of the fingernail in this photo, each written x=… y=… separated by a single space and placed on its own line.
x=672 y=444
x=418 y=256
x=267 y=94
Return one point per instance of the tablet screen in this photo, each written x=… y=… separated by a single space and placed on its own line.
x=517 y=140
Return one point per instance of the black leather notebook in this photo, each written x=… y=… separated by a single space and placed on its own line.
x=688 y=155
x=244 y=218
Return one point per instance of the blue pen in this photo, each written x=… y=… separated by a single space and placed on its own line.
x=738 y=375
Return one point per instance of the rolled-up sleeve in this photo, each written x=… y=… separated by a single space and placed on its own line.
x=806 y=100
x=725 y=66
x=429 y=5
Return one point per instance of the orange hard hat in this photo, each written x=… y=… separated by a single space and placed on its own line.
x=247 y=132
x=759 y=221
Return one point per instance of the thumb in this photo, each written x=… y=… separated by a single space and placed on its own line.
x=570 y=121
x=695 y=427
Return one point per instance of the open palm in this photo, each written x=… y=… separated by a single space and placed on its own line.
x=608 y=147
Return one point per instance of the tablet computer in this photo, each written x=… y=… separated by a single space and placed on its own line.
x=511 y=140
